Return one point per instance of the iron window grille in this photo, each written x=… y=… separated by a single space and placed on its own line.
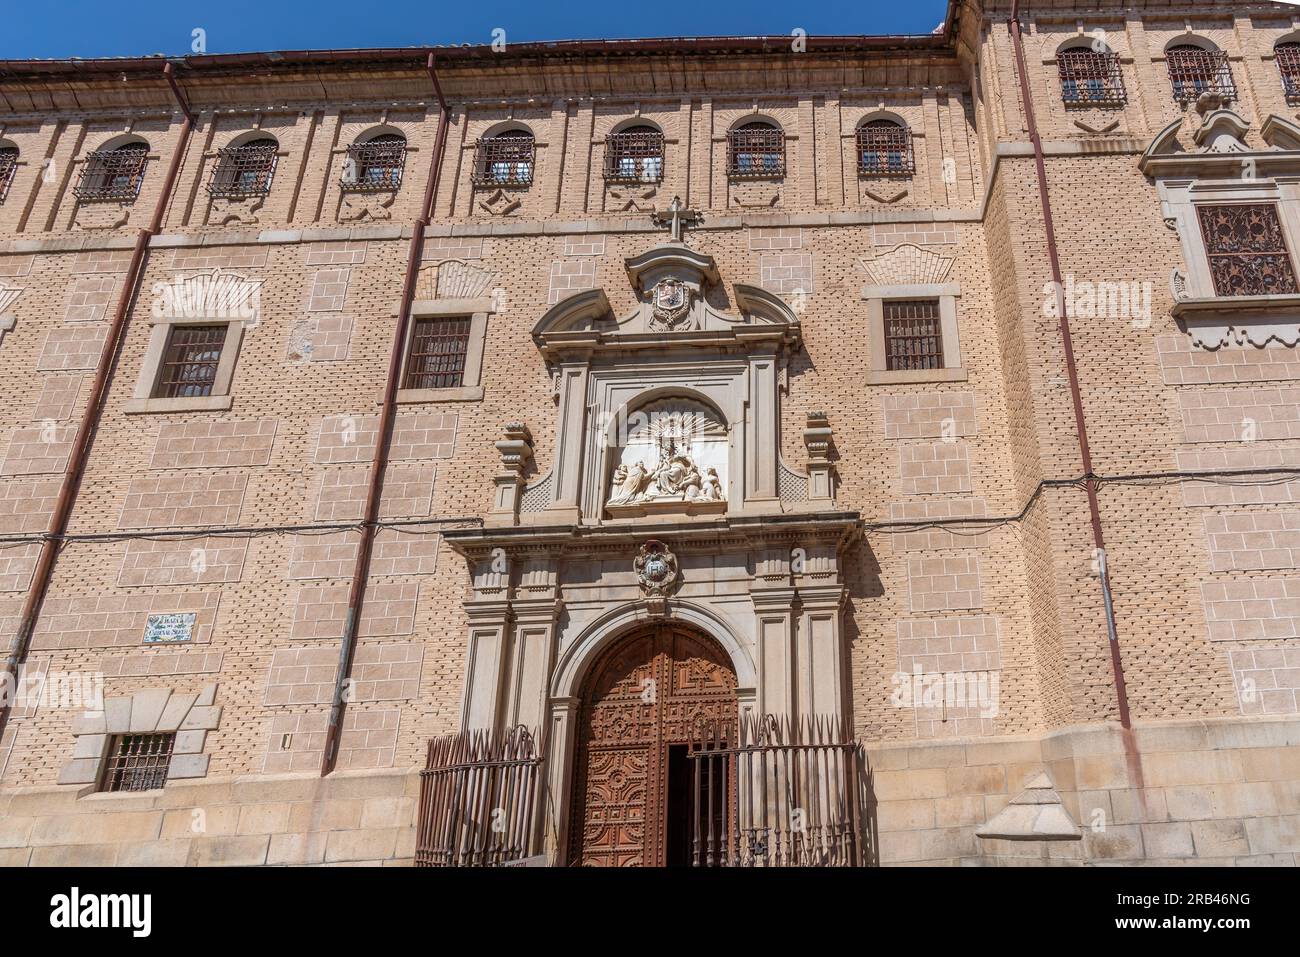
x=137 y=762
x=1288 y=65
x=243 y=171
x=1090 y=78
x=114 y=174
x=437 y=355
x=375 y=164
x=635 y=155
x=189 y=366
x=913 y=335
x=1193 y=71
x=755 y=150
x=885 y=149
x=1247 y=250
x=8 y=167
x=505 y=160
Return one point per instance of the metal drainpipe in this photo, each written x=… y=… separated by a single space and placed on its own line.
x=361 y=571
x=1067 y=344
x=16 y=653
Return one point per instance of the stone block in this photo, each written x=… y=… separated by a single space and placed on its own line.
x=80 y=771
x=237 y=851
x=74 y=855
x=204 y=718
x=297 y=848
x=362 y=845
x=117 y=715
x=146 y=708
x=1168 y=840
x=188 y=766
x=90 y=746
x=189 y=742
x=154 y=854
x=1220 y=838
x=263 y=818
x=89 y=722
x=178 y=706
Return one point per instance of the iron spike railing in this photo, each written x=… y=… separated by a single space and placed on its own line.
x=772 y=792
x=478 y=796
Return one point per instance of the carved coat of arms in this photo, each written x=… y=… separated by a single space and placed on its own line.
x=669 y=301
x=656 y=568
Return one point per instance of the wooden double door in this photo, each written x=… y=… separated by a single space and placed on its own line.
x=635 y=790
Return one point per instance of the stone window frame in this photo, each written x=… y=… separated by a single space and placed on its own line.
x=189 y=715
x=160 y=331
x=471 y=387
x=1181 y=200
x=946 y=293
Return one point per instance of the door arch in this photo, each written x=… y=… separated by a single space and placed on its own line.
x=642 y=701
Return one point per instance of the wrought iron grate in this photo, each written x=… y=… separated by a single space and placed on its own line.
x=1090 y=78
x=1288 y=65
x=505 y=160
x=756 y=150
x=137 y=762
x=635 y=155
x=189 y=366
x=437 y=356
x=114 y=174
x=913 y=334
x=1246 y=249
x=8 y=167
x=885 y=149
x=1193 y=71
x=376 y=164
x=242 y=171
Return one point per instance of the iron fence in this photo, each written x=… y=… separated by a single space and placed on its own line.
x=505 y=160
x=772 y=792
x=1288 y=65
x=478 y=799
x=243 y=171
x=376 y=164
x=885 y=149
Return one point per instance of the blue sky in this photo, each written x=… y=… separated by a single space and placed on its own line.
x=86 y=28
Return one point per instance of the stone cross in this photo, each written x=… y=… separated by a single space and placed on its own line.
x=676 y=215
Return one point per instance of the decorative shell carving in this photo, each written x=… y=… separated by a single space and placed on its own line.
x=454 y=279
x=907 y=264
x=8 y=296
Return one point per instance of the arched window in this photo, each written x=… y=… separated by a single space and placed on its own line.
x=1090 y=76
x=113 y=174
x=756 y=149
x=8 y=167
x=506 y=159
x=245 y=170
x=1195 y=70
x=376 y=163
x=635 y=155
x=1288 y=65
x=885 y=149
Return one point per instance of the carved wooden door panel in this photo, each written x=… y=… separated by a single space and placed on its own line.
x=649 y=693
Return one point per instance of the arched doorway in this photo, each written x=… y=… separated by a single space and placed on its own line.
x=642 y=702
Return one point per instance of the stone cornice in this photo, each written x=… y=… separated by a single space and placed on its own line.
x=706 y=536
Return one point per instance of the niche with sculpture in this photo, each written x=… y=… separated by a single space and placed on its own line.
x=673 y=457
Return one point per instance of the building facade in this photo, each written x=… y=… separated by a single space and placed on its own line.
x=931 y=400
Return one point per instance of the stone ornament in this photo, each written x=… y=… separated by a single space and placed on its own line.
x=675 y=457
x=656 y=569
x=670 y=303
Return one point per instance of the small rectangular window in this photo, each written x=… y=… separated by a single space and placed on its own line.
x=189 y=366
x=913 y=334
x=437 y=356
x=137 y=762
x=1247 y=250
